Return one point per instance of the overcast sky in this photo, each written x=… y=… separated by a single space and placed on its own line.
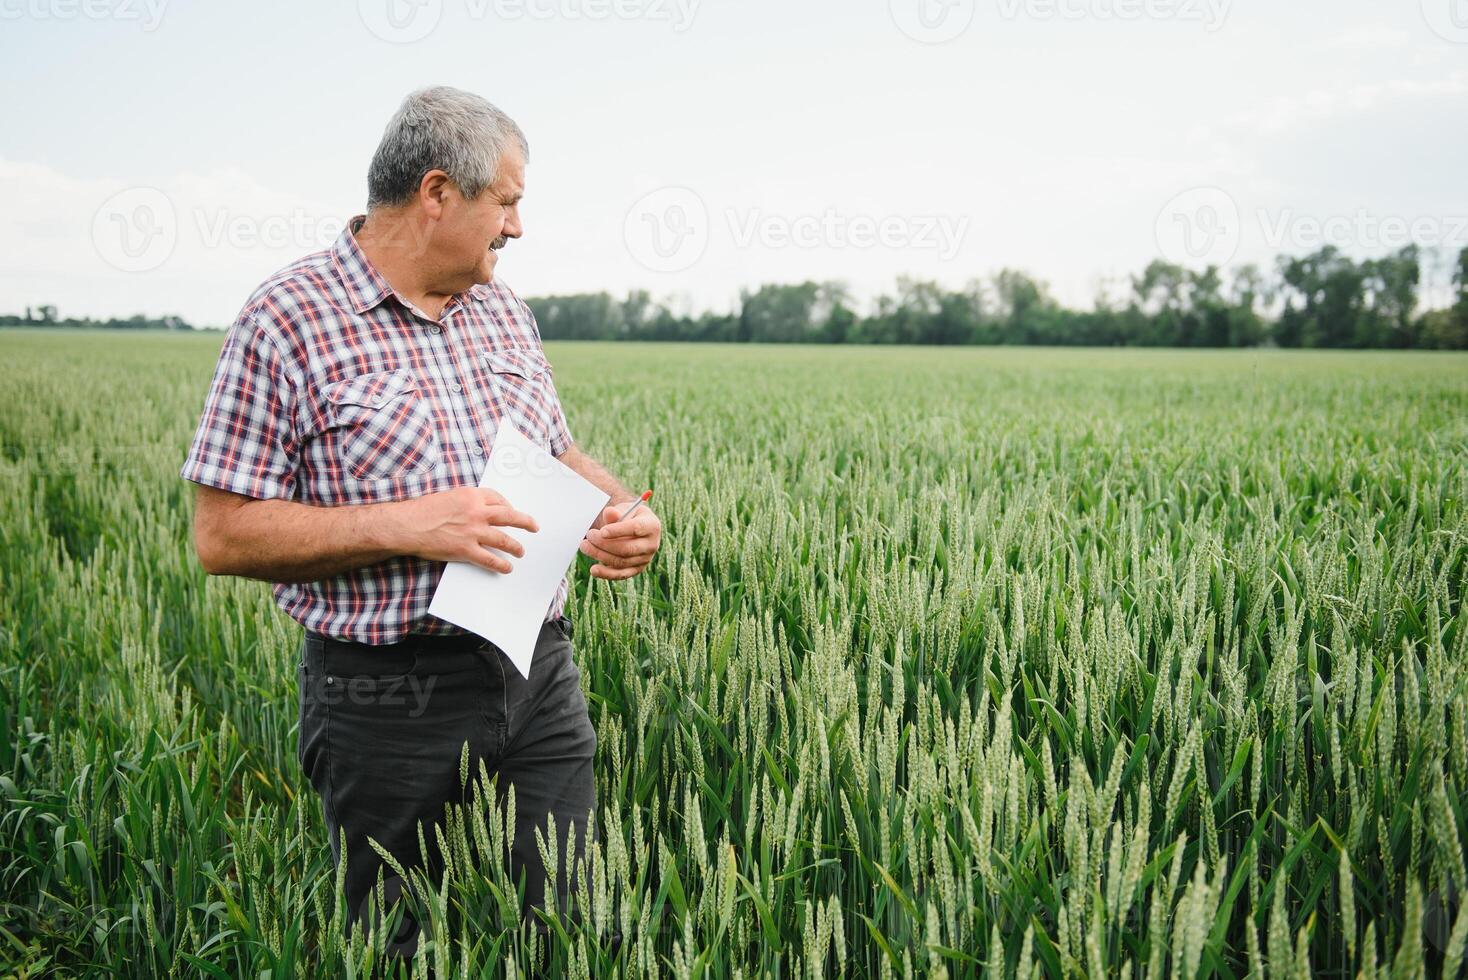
x=164 y=156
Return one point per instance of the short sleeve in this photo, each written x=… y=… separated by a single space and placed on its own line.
x=246 y=442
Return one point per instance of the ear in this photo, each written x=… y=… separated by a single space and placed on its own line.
x=433 y=191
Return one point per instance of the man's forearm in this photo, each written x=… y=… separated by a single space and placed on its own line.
x=596 y=473
x=284 y=541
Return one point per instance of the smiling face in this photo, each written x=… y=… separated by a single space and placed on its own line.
x=470 y=233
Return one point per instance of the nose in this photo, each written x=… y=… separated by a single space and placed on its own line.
x=512 y=227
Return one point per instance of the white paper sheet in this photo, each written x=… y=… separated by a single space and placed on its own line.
x=508 y=609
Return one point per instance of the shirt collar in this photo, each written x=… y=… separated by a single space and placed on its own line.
x=365 y=285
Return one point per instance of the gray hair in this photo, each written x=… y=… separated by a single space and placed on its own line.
x=440 y=128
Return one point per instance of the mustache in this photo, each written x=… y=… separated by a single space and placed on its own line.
x=499 y=243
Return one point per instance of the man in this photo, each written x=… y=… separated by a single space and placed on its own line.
x=338 y=456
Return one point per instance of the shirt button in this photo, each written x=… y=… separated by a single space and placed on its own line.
x=478 y=451
x=458 y=387
x=435 y=330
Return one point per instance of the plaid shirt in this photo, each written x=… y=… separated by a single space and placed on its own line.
x=331 y=389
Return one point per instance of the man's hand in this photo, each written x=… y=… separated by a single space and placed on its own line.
x=461 y=525
x=621 y=548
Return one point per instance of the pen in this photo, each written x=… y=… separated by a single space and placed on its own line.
x=646 y=495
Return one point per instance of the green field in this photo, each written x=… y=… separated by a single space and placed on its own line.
x=1137 y=663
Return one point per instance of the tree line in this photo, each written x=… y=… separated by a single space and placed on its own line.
x=46 y=316
x=1324 y=299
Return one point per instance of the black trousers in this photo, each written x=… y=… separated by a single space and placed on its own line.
x=381 y=739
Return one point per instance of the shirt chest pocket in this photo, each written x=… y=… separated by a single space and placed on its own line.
x=516 y=365
x=384 y=425
x=520 y=378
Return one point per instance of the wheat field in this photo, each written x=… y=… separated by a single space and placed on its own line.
x=1010 y=662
